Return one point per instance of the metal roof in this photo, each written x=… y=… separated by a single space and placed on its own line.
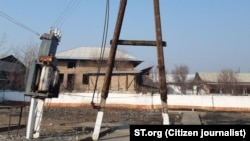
x=208 y=76
x=243 y=77
x=11 y=64
x=213 y=77
x=90 y=53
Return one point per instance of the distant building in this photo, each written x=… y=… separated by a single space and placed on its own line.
x=12 y=73
x=80 y=67
x=209 y=83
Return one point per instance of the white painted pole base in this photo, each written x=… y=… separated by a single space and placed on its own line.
x=98 y=124
x=39 y=114
x=165 y=118
x=35 y=118
x=31 y=118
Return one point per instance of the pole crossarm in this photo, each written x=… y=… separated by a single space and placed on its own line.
x=139 y=43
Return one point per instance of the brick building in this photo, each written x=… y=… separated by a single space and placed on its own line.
x=81 y=67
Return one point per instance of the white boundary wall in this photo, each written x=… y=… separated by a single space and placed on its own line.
x=219 y=102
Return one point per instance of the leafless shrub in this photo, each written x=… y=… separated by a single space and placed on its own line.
x=180 y=73
x=18 y=68
x=227 y=81
x=3 y=38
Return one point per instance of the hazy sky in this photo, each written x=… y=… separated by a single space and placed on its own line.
x=205 y=35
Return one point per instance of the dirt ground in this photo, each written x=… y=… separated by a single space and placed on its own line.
x=60 y=123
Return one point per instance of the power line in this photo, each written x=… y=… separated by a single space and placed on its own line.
x=104 y=40
x=66 y=13
x=7 y=17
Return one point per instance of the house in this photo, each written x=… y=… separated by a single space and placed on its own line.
x=82 y=70
x=12 y=73
x=209 y=83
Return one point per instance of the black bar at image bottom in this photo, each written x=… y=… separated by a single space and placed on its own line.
x=194 y=132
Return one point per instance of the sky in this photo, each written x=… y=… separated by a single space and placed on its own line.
x=205 y=35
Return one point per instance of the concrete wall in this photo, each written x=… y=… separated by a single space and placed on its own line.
x=143 y=101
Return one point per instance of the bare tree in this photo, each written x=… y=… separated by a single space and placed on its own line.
x=180 y=73
x=16 y=68
x=227 y=81
x=2 y=41
x=26 y=55
x=30 y=54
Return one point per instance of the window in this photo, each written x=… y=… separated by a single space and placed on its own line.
x=72 y=64
x=61 y=77
x=85 y=79
x=71 y=82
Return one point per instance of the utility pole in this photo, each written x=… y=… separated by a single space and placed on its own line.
x=161 y=66
x=111 y=60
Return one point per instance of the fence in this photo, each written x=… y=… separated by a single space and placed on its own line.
x=143 y=101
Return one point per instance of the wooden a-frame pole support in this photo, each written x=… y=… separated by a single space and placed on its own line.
x=161 y=66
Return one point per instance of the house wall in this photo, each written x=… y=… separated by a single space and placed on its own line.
x=119 y=82
x=123 y=66
x=123 y=83
x=15 y=80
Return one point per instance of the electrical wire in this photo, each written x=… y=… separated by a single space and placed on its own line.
x=104 y=40
x=58 y=23
x=66 y=13
x=7 y=17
